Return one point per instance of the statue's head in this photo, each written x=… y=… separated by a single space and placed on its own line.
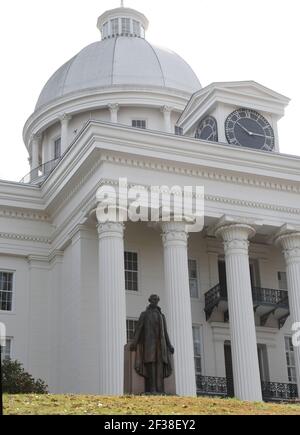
x=154 y=300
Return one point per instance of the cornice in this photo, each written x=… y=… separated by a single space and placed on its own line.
x=200 y=173
x=252 y=204
x=184 y=156
x=93 y=99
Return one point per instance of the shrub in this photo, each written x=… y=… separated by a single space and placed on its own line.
x=17 y=381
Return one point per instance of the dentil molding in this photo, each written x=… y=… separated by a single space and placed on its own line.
x=25 y=237
x=23 y=215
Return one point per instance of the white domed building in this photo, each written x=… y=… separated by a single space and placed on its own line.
x=125 y=109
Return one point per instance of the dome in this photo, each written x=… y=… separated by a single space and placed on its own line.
x=120 y=59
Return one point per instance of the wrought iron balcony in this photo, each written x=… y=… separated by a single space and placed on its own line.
x=213 y=298
x=39 y=174
x=271 y=391
x=211 y=386
x=265 y=302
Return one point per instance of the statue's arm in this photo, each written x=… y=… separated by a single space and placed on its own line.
x=168 y=341
x=138 y=331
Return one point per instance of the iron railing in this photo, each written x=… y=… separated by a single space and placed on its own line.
x=211 y=386
x=41 y=172
x=271 y=391
x=266 y=296
x=213 y=297
x=261 y=296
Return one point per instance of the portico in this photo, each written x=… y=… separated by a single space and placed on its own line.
x=236 y=237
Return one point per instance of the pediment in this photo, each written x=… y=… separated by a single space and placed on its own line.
x=244 y=94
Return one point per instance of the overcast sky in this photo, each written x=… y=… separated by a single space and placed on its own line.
x=221 y=40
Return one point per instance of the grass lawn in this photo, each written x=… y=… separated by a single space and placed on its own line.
x=136 y=405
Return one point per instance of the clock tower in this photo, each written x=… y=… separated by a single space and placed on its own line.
x=242 y=114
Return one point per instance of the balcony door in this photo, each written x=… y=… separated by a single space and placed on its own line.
x=254 y=274
x=262 y=360
x=229 y=369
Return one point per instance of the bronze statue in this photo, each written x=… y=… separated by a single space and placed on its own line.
x=153 y=348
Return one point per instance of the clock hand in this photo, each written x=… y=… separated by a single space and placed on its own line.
x=259 y=135
x=243 y=128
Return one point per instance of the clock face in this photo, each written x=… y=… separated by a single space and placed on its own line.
x=207 y=129
x=246 y=127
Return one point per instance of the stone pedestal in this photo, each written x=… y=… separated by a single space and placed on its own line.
x=135 y=384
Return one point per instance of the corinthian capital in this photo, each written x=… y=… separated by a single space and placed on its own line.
x=235 y=237
x=114 y=107
x=290 y=242
x=64 y=117
x=166 y=109
x=36 y=137
x=174 y=233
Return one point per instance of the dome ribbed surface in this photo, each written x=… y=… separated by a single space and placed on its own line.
x=120 y=61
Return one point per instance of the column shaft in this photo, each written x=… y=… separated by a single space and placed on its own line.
x=65 y=119
x=35 y=147
x=112 y=299
x=179 y=306
x=167 y=119
x=291 y=249
x=114 y=109
x=247 y=383
x=35 y=153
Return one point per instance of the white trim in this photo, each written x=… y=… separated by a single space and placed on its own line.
x=202 y=350
x=13 y=310
x=131 y=251
x=11 y=339
x=197 y=279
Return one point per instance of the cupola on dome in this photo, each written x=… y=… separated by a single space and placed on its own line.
x=122 y=58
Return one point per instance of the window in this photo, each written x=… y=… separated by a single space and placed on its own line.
x=6 y=291
x=125 y=26
x=178 y=131
x=105 y=30
x=282 y=281
x=136 y=28
x=57 y=148
x=130 y=327
x=6 y=351
x=115 y=26
x=139 y=123
x=290 y=360
x=193 y=278
x=131 y=271
x=197 y=351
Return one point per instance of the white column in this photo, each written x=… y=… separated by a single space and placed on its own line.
x=179 y=306
x=65 y=119
x=112 y=315
x=114 y=109
x=54 y=310
x=247 y=384
x=290 y=243
x=35 y=146
x=167 y=118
